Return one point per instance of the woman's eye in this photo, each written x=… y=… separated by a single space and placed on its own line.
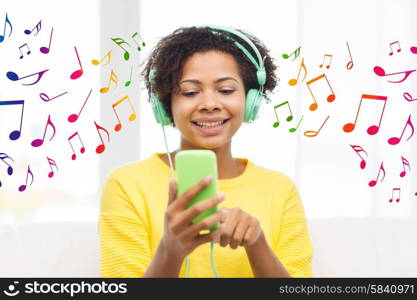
x=227 y=92
x=189 y=94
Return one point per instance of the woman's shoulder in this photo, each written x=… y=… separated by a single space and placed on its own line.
x=272 y=176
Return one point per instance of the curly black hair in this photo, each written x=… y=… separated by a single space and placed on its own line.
x=169 y=55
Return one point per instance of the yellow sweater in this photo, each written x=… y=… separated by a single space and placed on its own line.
x=134 y=200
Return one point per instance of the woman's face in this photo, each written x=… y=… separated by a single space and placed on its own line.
x=210 y=104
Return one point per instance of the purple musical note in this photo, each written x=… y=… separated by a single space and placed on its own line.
x=39 y=142
x=14 y=77
x=15 y=134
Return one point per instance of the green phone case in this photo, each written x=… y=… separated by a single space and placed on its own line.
x=191 y=166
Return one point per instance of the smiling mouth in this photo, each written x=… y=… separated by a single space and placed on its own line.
x=209 y=125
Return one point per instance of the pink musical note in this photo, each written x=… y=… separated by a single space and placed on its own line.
x=39 y=142
x=143 y=42
x=395 y=43
x=23 y=186
x=113 y=78
x=350 y=63
x=74 y=117
x=359 y=149
x=381 y=72
x=374 y=182
x=51 y=163
x=395 y=140
x=82 y=149
x=413 y=50
x=311 y=133
x=108 y=56
x=119 y=42
x=20 y=49
x=405 y=163
x=298 y=124
x=77 y=73
x=15 y=134
x=330 y=56
x=294 y=81
x=100 y=148
x=392 y=195
x=132 y=117
x=37 y=27
x=408 y=97
x=14 y=77
x=373 y=129
x=7 y=21
x=331 y=96
x=3 y=157
x=45 y=50
x=46 y=98
x=290 y=116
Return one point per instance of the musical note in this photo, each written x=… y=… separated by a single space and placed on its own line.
x=130 y=78
x=143 y=42
x=39 y=142
x=381 y=72
x=413 y=50
x=20 y=49
x=37 y=27
x=395 y=140
x=359 y=149
x=77 y=73
x=398 y=44
x=311 y=133
x=331 y=96
x=405 y=163
x=392 y=195
x=289 y=118
x=113 y=78
x=295 y=129
x=108 y=56
x=7 y=21
x=350 y=63
x=294 y=81
x=14 y=77
x=3 y=157
x=45 y=50
x=119 y=42
x=374 y=182
x=100 y=148
x=46 y=98
x=15 y=134
x=51 y=163
x=74 y=117
x=23 y=186
x=349 y=127
x=132 y=117
x=408 y=97
x=324 y=58
x=82 y=149
x=296 y=54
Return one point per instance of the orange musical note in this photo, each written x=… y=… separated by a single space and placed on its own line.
x=295 y=129
x=113 y=78
x=395 y=140
x=381 y=72
x=143 y=42
x=296 y=53
x=311 y=133
x=408 y=97
x=349 y=127
x=51 y=163
x=23 y=186
x=290 y=116
x=15 y=134
x=82 y=149
x=77 y=73
x=392 y=195
x=398 y=44
x=331 y=96
x=374 y=182
x=74 y=117
x=7 y=21
x=14 y=77
x=45 y=50
x=132 y=117
x=127 y=83
x=119 y=42
x=20 y=49
x=359 y=149
x=294 y=81
x=37 y=27
x=39 y=142
x=324 y=58
x=46 y=98
x=350 y=63
x=405 y=163
x=108 y=56
x=100 y=148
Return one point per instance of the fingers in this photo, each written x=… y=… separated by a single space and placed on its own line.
x=192 y=192
x=238 y=234
x=229 y=226
x=172 y=193
x=195 y=210
x=205 y=223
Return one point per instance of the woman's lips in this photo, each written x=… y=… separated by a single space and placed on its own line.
x=213 y=130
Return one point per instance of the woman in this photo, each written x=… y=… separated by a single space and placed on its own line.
x=201 y=76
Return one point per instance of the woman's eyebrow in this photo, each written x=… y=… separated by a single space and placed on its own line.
x=216 y=81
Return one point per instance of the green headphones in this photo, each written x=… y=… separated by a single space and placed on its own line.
x=253 y=97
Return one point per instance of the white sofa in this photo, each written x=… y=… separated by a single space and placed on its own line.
x=343 y=248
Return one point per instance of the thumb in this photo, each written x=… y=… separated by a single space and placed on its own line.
x=172 y=192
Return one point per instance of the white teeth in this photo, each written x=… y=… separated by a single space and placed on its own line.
x=209 y=125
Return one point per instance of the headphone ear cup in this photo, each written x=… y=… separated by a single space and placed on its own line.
x=159 y=112
x=253 y=102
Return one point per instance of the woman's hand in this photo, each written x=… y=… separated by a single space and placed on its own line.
x=237 y=228
x=181 y=236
